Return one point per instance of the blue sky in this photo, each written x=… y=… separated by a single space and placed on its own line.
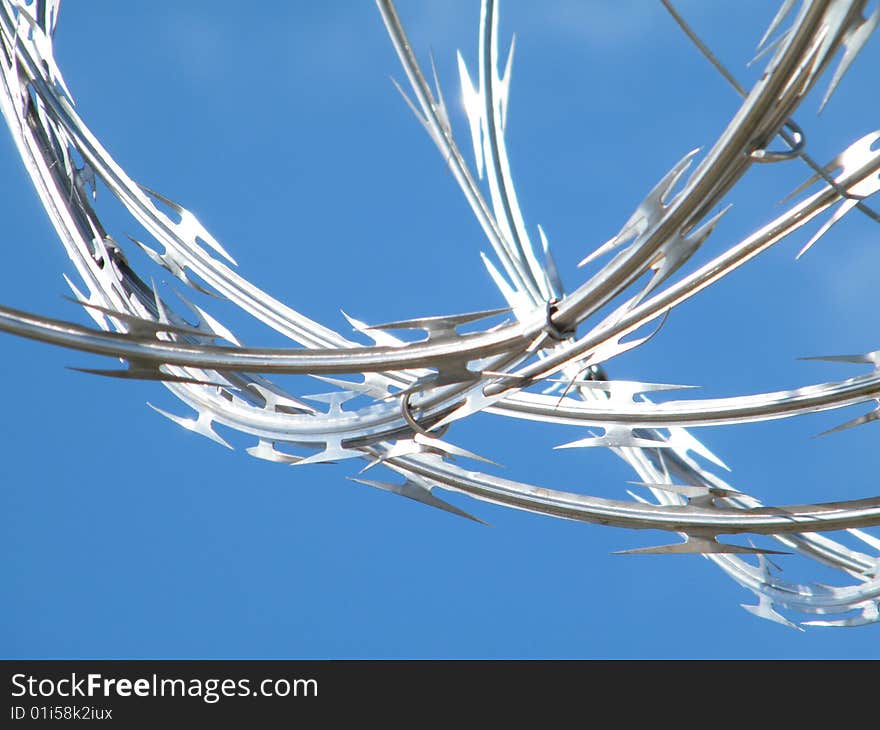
x=126 y=536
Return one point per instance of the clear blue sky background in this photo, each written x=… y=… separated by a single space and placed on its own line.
x=125 y=536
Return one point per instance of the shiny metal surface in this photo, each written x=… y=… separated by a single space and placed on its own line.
x=416 y=390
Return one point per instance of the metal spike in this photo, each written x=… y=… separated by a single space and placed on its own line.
x=453 y=372
x=173 y=265
x=504 y=84
x=813 y=61
x=207 y=324
x=828 y=169
x=780 y=16
x=765 y=610
x=867 y=418
x=869 y=358
x=50 y=71
x=415 y=110
x=825 y=589
x=473 y=106
x=151 y=252
x=372 y=385
x=423 y=444
x=275 y=400
x=682 y=441
x=440 y=105
x=519 y=302
x=383 y=339
x=678 y=250
x=649 y=211
x=97 y=317
x=616 y=437
x=202 y=425
x=334 y=399
x=553 y=277
x=688 y=490
x=696 y=545
x=854 y=40
x=266 y=450
x=191 y=225
x=514 y=381
x=146 y=371
x=162 y=311
x=84 y=181
x=138 y=326
x=637 y=497
x=845 y=207
x=436 y=445
x=867 y=538
x=332 y=452
x=622 y=390
x=401 y=447
x=473 y=403
x=769 y=48
x=501 y=283
x=631 y=229
x=849 y=162
x=764 y=565
x=437 y=327
x=857 y=155
x=419 y=492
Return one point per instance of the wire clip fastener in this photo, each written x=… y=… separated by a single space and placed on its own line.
x=550 y=327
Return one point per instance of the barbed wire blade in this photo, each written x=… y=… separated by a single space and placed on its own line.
x=764 y=609
x=146 y=371
x=141 y=326
x=854 y=40
x=698 y=545
x=419 y=492
x=617 y=437
x=266 y=451
x=778 y=19
x=202 y=425
x=648 y=212
x=861 y=420
x=845 y=207
x=437 y=327
x=868 y=358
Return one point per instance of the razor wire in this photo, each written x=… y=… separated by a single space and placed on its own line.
x=408 y=394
